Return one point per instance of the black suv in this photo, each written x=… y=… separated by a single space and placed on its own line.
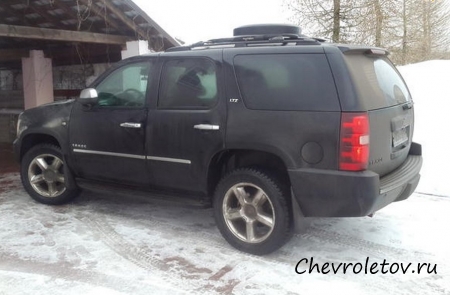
x=266 y=125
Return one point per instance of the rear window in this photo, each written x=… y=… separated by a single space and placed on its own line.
x=377 y=82
x=286 y=82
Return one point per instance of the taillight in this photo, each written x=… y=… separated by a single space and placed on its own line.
x=354 y=142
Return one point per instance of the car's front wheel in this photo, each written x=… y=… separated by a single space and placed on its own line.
x=43 y=175
x=252 y=212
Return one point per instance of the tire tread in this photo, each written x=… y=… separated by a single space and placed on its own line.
x=266 y=246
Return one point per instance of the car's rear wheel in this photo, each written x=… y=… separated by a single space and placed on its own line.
x=43 y=175
x=252 y=212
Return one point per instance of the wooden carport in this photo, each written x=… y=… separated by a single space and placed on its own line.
x=37 y=34
x=65 y=28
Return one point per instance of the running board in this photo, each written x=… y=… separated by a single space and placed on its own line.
x=143 y=194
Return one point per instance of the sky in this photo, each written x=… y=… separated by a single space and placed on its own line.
x=201 y=20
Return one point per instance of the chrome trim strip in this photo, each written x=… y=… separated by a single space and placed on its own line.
x=173 y=160
x=109 y=154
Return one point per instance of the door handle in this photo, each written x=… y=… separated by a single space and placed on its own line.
x=130 y=125
x=206 y=127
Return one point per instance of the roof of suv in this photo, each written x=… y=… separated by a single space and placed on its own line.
x=270 y=35
x=251 y=41
x=273 y=36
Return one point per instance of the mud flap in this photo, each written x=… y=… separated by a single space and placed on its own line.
x=69 y=179
x=298 y=219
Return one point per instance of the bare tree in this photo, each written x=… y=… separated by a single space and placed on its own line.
x=336 y=20
x=436 y=28
x=404 y=51
x=324 y=18
x=413 y=30
x=379 y=17
x=425 y=31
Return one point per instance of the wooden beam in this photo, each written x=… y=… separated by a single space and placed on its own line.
x=153 y=25
x=123 y=17
x=60 y=35
x=101 y=12
x=13 y=54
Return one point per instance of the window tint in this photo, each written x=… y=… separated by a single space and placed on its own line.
x=377 y=82
x=188 y=83
x=286 y=82
x=393 y=87
x=126 y=86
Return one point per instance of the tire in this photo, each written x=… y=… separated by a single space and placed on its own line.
x=44 y=177
x=251 y=211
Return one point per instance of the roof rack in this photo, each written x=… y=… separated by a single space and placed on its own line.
x=252 y=40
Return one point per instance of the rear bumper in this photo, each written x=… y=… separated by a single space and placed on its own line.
x=324 y=193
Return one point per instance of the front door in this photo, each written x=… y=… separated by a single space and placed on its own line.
x=108 y=138
x=186 y=126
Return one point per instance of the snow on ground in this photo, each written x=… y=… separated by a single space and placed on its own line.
x=429 y=84
x=106 y=245
x=103 y=244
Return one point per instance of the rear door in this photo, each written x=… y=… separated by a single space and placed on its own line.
x=186 y=125
x=382 y=92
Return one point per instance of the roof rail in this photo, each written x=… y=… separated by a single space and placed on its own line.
x=252 y=40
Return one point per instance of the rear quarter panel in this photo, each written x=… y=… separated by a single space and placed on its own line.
x=302 y=139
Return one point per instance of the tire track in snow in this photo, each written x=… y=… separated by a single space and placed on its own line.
x=146 y=259
x=213 y=241
x=190 y=276
x=313 y=233
x=10 y=262
x=207 y=240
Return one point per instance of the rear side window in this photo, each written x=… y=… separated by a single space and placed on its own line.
x=378 y=83
x=188 y=83
x=286 y=82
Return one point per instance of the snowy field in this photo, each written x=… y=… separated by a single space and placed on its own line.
x=429 y=84
x=102 y=244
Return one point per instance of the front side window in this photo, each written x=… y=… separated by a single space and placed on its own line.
x=125 y=87
x=188 y=83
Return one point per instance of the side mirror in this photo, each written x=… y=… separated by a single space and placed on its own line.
x=88 y=96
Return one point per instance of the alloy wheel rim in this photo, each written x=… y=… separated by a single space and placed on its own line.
x=46 y=176
x=248 y=213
